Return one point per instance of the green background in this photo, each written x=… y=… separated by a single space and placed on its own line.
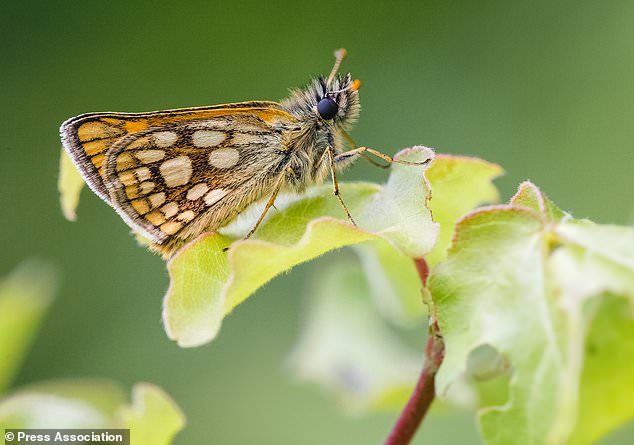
x=546 y=89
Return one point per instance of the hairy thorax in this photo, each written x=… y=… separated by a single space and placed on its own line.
x=308 y=162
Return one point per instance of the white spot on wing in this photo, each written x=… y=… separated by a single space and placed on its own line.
x=197 y=191
x=176 y=171
x=157 y=199
x=207 y=138
x=186 y=216
x=170 y=209
x=171 y=227
x=214 y=196
x=149 y=156
x=164 y=138
x=143 y=174
x=224 y=157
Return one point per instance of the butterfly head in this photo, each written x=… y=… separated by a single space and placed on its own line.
x=338 y=100
x=335 y=103
x=331 y=101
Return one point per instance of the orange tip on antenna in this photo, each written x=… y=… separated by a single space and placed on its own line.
x=341 y=53
x=356 y=84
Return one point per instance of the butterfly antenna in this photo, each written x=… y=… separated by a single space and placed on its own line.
x=340 y=54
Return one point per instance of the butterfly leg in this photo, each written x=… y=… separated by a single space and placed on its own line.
x=335 y=184
x=359 y=151
x=271 y=202
x=351 y=143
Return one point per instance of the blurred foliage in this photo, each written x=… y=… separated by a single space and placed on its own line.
x=24 y=298
x=25 y=295
x=346 y=347
x=70 y=185
x=152 y=417
x=542 y=88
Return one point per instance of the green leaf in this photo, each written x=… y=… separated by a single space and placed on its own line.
x=69 y=185
x=207 y=283
x=84 y=403
x=529 y=195
x=599 y=259
x=613 y=243
x=153 y=418
x=25 y=295
x=607 y=386
x=459 y=184
x=346 y=347
x=522 y=279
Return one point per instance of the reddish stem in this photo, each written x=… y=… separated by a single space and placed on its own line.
x=424 y=392
x=423 y=270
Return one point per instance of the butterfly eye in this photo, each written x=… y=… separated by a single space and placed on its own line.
x=327 y=108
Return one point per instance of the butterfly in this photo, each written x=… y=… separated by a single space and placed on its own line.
x=174 y=174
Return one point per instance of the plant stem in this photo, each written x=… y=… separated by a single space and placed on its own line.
x=424 y=392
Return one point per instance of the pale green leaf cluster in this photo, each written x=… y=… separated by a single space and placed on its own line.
x=352 y=341
x=25 y=295
x=458 y=184
x=152 y=417
x=536 y=286
x=207 y=282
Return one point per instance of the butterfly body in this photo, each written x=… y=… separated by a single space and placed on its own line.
x=175 y=174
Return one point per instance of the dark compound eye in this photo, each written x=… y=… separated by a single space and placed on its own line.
x=327 y=108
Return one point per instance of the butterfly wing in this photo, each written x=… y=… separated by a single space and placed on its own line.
x=88 y=137
x=171 y=175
